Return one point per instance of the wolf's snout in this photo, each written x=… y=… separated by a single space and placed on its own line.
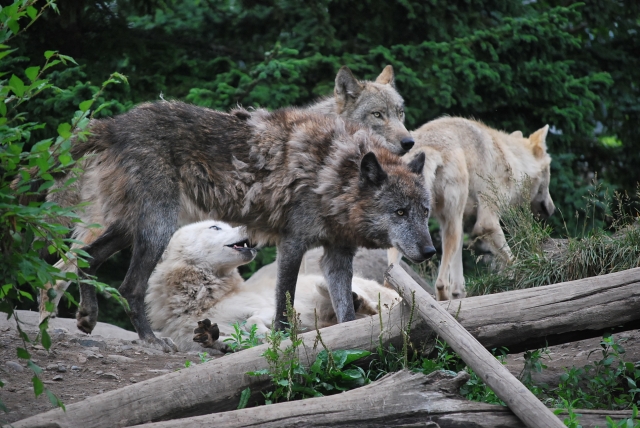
x=407 y=143
x=428 y=251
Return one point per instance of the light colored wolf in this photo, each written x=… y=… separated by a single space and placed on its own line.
x=198 y=278
x=466 y=163
x=376 y=104
x=293 y=178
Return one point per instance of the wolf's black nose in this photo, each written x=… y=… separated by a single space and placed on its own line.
x=428 y=252
x=407 y=143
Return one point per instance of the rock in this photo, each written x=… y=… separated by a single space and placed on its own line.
x=159 y=371
x=52 y=367
x=57 y=378
x=133 y=380
x=82 y=359
x=14 y=366
x=120 y=358
x=99 y=372
x=62 y=368
x=109 y=375
x=75 y=368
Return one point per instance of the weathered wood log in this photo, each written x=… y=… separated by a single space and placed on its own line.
x=512 y=319
x=553 y=314
x=398 y=399
x=509 y=389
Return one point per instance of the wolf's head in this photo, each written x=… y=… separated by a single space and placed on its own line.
x=394 y=205
x=541 y=202
x=377 y=105
x=211 y=245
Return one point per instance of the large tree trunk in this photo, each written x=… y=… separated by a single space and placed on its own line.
x=398 y=399
x=512 y=319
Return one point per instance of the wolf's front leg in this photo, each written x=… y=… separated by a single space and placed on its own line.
x=290 y=253
x=337 y=266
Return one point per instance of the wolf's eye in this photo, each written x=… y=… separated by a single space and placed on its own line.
x=426 y=212
x=400 y=212
x=377 y=114
x=214 y=227
x=401 y=113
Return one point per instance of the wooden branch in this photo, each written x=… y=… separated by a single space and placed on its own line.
x=402 y=398
x=510 y=390
x=512 y=319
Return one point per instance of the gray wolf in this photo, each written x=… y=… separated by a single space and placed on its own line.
x=294 y=178
x=466 y=163
x=197 y=278
x=376 y=104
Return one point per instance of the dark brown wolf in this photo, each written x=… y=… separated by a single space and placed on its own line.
x=294 y=178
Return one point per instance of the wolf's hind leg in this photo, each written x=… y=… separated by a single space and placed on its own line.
x=110 y=242
x=488 y=227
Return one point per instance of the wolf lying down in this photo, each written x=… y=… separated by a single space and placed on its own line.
x=296 y=179
x=198 y=278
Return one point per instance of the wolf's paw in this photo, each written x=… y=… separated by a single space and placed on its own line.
x=86 y=320
x=206 y=333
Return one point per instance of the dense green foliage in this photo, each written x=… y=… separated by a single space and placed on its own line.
x=30 y=229
x=512 y=64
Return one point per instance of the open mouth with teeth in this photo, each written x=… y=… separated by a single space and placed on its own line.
x=241 y=245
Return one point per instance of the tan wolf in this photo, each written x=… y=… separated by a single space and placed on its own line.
x=294 y=178
x=376 y=104
x=465 y=160
x=198 y=278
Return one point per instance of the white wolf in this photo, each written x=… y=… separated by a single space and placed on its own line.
x=198 y=278
x=465 y=160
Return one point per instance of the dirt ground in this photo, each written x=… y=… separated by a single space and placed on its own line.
x=79 y=366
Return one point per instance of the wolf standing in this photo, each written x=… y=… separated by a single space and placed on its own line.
x=468 y=164
x=376 y=104
x=293 y=178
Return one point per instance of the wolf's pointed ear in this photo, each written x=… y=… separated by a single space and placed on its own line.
x=347 y=86
x=370 y=170
x=417 y=163
x=516 y=134
x=386 y=77
x=539 y=141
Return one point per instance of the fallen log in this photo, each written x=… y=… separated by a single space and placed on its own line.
x=398 y=399
x=509 y=389
x=512 y=319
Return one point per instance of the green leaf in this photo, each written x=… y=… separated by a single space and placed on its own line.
x=244 y=398
x=26 y=294
x=46 y=339
x=64 y=130
x=5 y=53
x=17 y=85
x=86 y=105
x=49 y=54
x=23 y=354
x=65 y=159
x=38 y=386
x=32 y=73
x=55 y=400
x=32 y=12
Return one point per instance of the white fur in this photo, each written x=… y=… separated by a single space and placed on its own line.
x=197 y=278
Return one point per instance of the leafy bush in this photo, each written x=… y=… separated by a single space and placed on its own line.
x=30 y=227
